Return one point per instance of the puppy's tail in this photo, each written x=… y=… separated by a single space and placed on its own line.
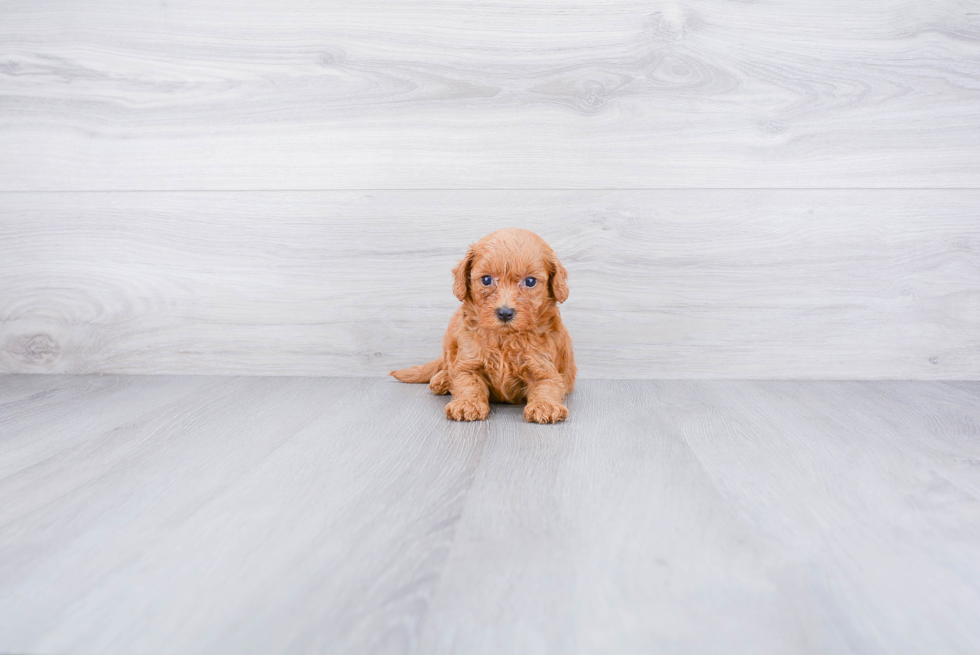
x=421 y=373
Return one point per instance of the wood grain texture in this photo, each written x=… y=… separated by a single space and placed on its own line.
x=693 y=517
x=201 y=514
x=235 y=518
x=664 y=284
x=488 y=94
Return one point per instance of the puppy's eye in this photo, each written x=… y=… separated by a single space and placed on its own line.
x=529 y=282
x=486 y=280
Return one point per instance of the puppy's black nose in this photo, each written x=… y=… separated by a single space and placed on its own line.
x=505 y=313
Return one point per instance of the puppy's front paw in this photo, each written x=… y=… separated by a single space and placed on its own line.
x=467 y=410
x=545 y=412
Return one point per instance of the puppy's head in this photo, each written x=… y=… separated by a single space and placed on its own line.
x=512 y=278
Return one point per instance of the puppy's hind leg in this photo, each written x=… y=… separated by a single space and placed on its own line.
x=440 y=383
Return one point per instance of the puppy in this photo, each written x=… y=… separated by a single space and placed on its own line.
x=506 y=343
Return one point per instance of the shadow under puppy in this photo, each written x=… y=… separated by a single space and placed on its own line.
x=506 y=343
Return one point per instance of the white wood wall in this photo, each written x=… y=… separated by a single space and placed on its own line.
x=769 y=189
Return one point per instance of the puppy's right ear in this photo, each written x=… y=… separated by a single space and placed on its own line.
x=461 y=276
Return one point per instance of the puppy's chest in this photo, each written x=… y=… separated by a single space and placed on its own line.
x=503 y=367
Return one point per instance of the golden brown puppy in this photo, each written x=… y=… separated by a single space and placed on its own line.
x=506 y=343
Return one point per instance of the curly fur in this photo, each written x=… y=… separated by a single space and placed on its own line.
x=528 y=358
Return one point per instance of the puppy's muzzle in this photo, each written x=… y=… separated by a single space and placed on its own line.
x=505 y=313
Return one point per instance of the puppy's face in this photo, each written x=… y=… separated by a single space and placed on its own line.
x=509 y=296
x=511 y=277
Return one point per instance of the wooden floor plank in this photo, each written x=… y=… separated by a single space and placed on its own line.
x=74 y=413
x=16 y=388
x=858 y=510
x=240 y=519
x=604 y=534
x=721 y=517
x=347 y=515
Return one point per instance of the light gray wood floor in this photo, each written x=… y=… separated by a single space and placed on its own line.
x=197 y=514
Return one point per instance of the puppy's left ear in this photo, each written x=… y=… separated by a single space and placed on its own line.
x=557 y=279
x=461 y=275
